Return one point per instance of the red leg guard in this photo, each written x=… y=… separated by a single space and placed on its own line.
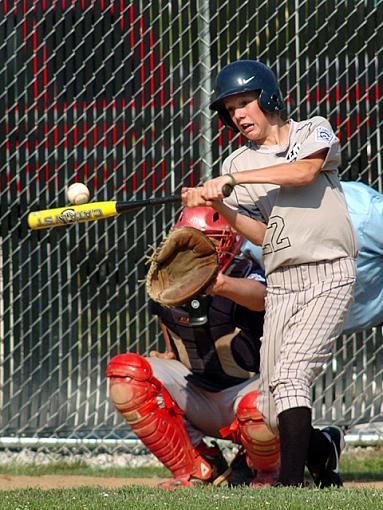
x=154 y=417
x=262 y=446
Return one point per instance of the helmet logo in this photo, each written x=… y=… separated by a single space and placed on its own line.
x=243 y=81
x=198 y=223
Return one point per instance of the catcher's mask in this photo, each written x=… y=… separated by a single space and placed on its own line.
x=211 y=223
x=246 y=76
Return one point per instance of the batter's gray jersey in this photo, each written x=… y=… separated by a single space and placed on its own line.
x=306 y=223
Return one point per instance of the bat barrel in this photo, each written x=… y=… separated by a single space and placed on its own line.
x=63 y=216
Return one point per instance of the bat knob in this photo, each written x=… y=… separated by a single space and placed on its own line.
x=227 y=190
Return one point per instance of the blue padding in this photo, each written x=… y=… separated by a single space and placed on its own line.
x=366 y=210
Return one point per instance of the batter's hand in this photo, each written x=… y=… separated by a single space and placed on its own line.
x=192 y=197
x=212 y=189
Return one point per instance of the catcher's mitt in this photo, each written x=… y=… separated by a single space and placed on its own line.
x=183 y=266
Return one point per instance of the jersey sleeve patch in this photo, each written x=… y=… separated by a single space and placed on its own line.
x=323 y=134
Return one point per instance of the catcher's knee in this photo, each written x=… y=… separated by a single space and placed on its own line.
x=262 y=446
x=132 y=388
x=154 y=416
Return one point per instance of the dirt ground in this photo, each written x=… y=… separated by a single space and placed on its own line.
x=8 y=482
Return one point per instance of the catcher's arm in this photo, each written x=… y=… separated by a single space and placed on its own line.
x=243 y=291
x=168 y=354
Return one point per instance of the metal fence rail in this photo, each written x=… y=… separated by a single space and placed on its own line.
x=115 y=94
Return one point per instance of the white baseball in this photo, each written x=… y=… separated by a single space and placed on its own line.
x=78 y=193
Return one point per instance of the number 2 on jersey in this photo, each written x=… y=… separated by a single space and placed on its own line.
x=277 y=241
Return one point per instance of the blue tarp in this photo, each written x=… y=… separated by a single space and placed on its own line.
x=366 y=209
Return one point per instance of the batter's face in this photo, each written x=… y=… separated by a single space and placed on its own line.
x=248 y=116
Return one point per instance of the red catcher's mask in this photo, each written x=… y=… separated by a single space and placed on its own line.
x=214 y=225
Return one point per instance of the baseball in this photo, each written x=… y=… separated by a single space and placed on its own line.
x=78 y=193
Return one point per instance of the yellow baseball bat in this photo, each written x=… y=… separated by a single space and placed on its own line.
x=92 y=211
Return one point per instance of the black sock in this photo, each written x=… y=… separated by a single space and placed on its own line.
x=319 y=448
x=294 y=432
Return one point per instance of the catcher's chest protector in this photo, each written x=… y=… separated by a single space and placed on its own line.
x=230 y=329
x=154 y=416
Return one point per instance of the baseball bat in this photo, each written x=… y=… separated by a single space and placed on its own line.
x=93 y=211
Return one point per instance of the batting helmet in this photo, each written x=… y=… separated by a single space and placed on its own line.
x=209 y=221
x=246 y=76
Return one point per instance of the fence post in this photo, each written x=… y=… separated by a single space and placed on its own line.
x=205 y=87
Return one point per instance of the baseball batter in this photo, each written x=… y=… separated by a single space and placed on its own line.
x=287 y=197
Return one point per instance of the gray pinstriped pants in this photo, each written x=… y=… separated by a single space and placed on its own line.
x=306 y=307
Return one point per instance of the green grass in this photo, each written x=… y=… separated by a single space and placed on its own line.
x=362 y=464
x=357 y=465
x=197 y=499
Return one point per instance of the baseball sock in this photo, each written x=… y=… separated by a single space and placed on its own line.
x=294 y=433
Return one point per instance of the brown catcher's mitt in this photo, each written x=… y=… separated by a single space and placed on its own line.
x=183 y=266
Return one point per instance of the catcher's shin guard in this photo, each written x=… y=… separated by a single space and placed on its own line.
x=154 y=416
x=261 y=445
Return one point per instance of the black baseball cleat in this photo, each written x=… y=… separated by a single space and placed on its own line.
x=241 y=474
x=326 y=473
x=218 y=463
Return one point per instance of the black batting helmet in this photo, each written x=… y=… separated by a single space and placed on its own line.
x=246 y=76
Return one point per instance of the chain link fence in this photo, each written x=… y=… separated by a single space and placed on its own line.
x=115 y=94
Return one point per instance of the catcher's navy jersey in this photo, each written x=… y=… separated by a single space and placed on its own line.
x=224 y=351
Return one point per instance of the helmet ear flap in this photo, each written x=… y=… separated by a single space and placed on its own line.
x=271 y=102
x=224 y=115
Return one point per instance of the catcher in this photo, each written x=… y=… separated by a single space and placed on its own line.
x=206 y=383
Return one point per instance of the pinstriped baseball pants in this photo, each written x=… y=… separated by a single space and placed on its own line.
x=306 y=307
